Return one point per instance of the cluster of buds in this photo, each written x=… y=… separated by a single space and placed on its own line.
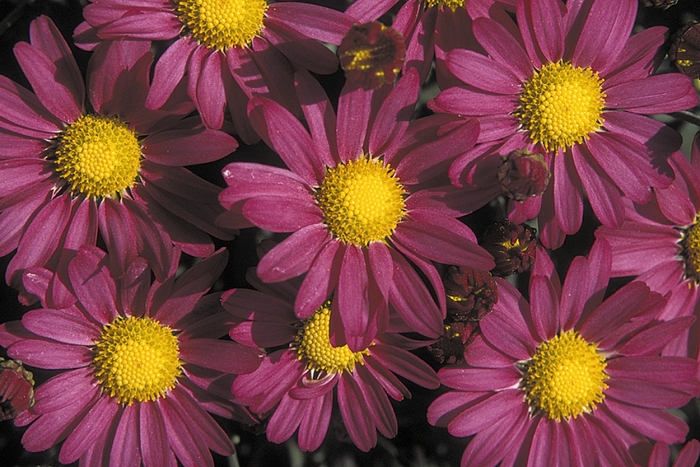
x=513 y=247
x=372 y=54
x=685 y=50
x=471 y=295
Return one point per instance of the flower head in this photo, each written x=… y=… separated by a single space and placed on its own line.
x=140 y=364
x=579 y=96
x=568 y=369
x=224 y=51
x=361 y=203
x=299 y=382
x=106 y=167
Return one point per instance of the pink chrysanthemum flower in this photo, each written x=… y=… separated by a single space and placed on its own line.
x=431 y=28
x=140 y=365
x=225 y=50
x=568 y=81
x=300 y=383
x=73 y=169
x=548 y=379
x=361 y=204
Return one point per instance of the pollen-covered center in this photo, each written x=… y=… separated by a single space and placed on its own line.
x=451 y=4
x=220 y=24
x=136 y=359
x=314 y=345
x=561 y=105
x=565 y=378
x=98 y=156
x=362 y=201
x=690 y=244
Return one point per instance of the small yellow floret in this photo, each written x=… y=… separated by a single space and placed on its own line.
x=451 y=4
x=690 y=244
x=314 y=345
x=561 y=105
x=220 y=24
x=362 y=201
x=565 y=378
x=98 y=156
x=137 y=360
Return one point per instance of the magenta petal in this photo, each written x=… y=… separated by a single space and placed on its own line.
x=156 y=25
x=41 y=73
x=652 y=368
x=154 y=447
x=353 y=298
x=479 y=379
x=60 y=391
x=502 y=47
x=169 y=71
x=319 y=114
x=50 y=355
x=125 y=446
x=214 y=436
x=286 y=419
x=603 y=195
x=544 y=307
x=93 y=285
x=295 y=255
x=314 y=423
x=485 y=412
x=655 y=424
x=482 y=72
x=68 y=326
x=652 y=340
x=282 y=214
x=406 y=364
x=394 y=115
x=354 y=111
x=358 y=423
x=187 y=445
x=314 y=21
x=320 y=280
x=463 y=101
x=228 y=357
x=656 y=94
x=188 y=147
x=377 y=402
x=645 y=394
x=211 y=97
x=486 y=448
x=89 y=429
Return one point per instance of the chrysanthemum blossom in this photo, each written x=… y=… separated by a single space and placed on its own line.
x=569 y=82
x=224 y=50
x=74 y=169
x=659 y=243
x=548 y=379
x=301 y=383
x=363 y=198
x=140 y=366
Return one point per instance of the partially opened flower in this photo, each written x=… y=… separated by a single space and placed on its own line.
x=225 y=50
x=72 y=169
x=548 y=379
x=570 y=83
x=301 y=383
x=365 y=196
x=140 y=364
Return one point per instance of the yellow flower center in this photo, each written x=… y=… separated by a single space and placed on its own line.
x=220 y=24
x=362 y=201
x=690 y=244
x=314 y=345
x=136 y=359
x=565 y=378
x=98 y=156
x=561 y=105
x=451 y=4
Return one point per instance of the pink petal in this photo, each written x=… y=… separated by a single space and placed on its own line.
x=169 y=71
x=354 y=110
x=156 y=25
x=282 y=214
x=294 y=255
x=188 y=147
x=68 y=326
x=313 y=21
x=394 y=115
x=359 y=425
x=154 y=447
x=544 y=307
x=125 y=446
x=89 y=429
x=320 y=280
x=210 y=95
x=502 y=47
x=656 y=94
x=228 y=357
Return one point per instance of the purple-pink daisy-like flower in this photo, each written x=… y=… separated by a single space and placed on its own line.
x=73 y=169
x=300 y=383
x=140 y=364
x=364 y=197
x=568 y=370
x=226 y=51
x=570 y=83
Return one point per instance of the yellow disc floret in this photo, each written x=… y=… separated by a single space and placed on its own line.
x=98 y=156
x=313 y=344
x=565 y=378
x=136 y=359
x=220 y=24
x=690 y=244
x=362 y=201
x=561 y=105
x=451 y=4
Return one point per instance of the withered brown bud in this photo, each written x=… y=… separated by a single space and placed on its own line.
x=513 y=247
x=450 y=347
x=523 y=174
x=372 y=54
x=16 y=389
x=663 y=4
x=471 y=294
x=685 y=50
